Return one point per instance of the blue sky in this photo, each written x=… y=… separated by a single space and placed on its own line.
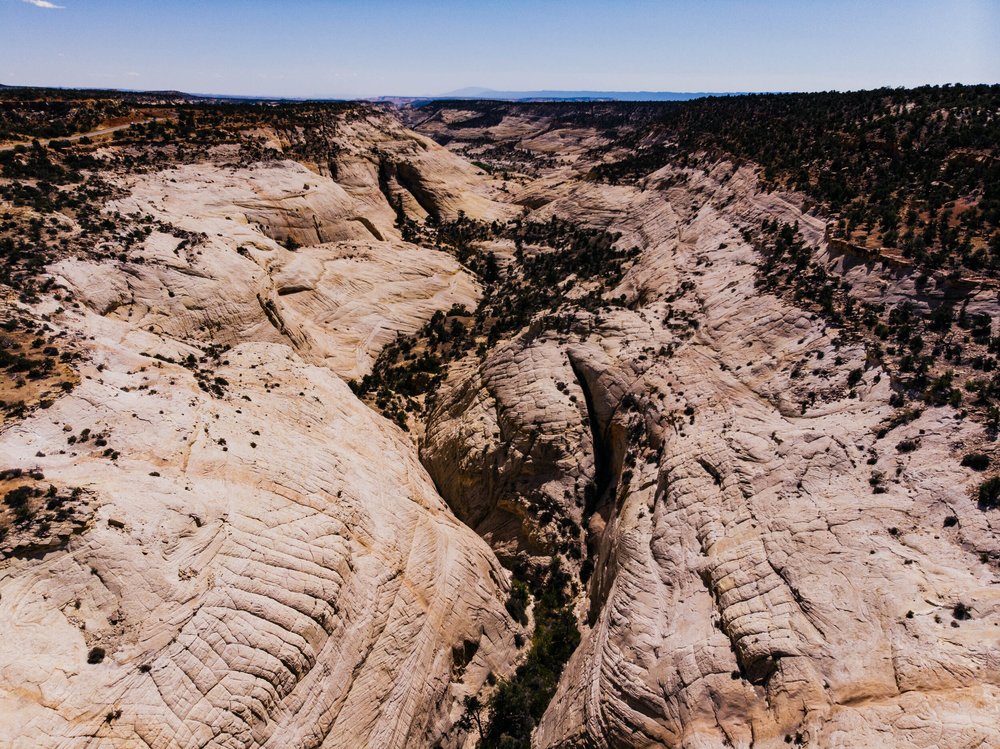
x=372 y=47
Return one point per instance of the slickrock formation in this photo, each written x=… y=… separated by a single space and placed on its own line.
x=506 y=445
x=257 y=558
x=268 y=569
x=754 y=583
x=762 y=553
x=376 y=154
x=337 y=302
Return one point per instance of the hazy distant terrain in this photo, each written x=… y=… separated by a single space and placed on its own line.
x=476 y=92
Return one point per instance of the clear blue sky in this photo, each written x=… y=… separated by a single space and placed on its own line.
x=372 y=47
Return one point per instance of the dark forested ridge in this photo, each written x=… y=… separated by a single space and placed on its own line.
x=916 y=171
x=913 y=172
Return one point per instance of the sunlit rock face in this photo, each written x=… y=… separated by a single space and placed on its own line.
x=251 y=557
x=750 y=588
x=260 y=569
x=258 y=559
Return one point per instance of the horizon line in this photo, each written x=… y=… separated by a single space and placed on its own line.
x=485 y=92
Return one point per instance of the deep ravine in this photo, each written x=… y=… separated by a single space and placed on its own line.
x=544 y=450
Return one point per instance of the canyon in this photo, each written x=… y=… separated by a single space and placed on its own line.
x=234 y=541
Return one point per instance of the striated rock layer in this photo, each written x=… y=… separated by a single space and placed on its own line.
x=258 y=559
x=750 y=588
x=268 y=569
x=252 y=558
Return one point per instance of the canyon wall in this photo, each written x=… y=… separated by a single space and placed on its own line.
x=244 y=554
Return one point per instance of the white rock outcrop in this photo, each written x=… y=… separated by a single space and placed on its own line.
x=256 y=559
x=751 y=588
x=263 y=562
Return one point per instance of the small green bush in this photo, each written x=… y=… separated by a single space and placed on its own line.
x=517 y=602
x=976 y=461
x=989 y=493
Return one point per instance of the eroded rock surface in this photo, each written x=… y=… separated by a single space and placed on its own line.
x=269 y=568
x=258 y=559
x=336 y=302
x=754 y=583
x=251 y=557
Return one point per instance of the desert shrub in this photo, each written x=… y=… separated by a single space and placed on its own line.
x=517 y=602
x=976 y=461
x=989 y=493
x=18 y=497
x=520 y=701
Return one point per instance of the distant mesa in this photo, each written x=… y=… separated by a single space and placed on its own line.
x=469 y=93
x=478 y=92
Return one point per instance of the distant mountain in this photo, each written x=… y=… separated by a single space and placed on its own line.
x=471 y=92
x=477 y=92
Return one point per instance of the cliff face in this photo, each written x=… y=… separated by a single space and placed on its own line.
x=249 y=556
x=745 y=558
x=753 y=581
x=258 y=558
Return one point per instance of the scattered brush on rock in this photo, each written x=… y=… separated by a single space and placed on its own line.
x=511 y=713
x=53 y=197
x=35 y=363
x=504 y=159
x=558 y=267
x=203 y=368
x=36 y=516
x=945 y=356
x=46 y=221
x=936 y=358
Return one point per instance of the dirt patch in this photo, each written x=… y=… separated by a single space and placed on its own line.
x=34 y=365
